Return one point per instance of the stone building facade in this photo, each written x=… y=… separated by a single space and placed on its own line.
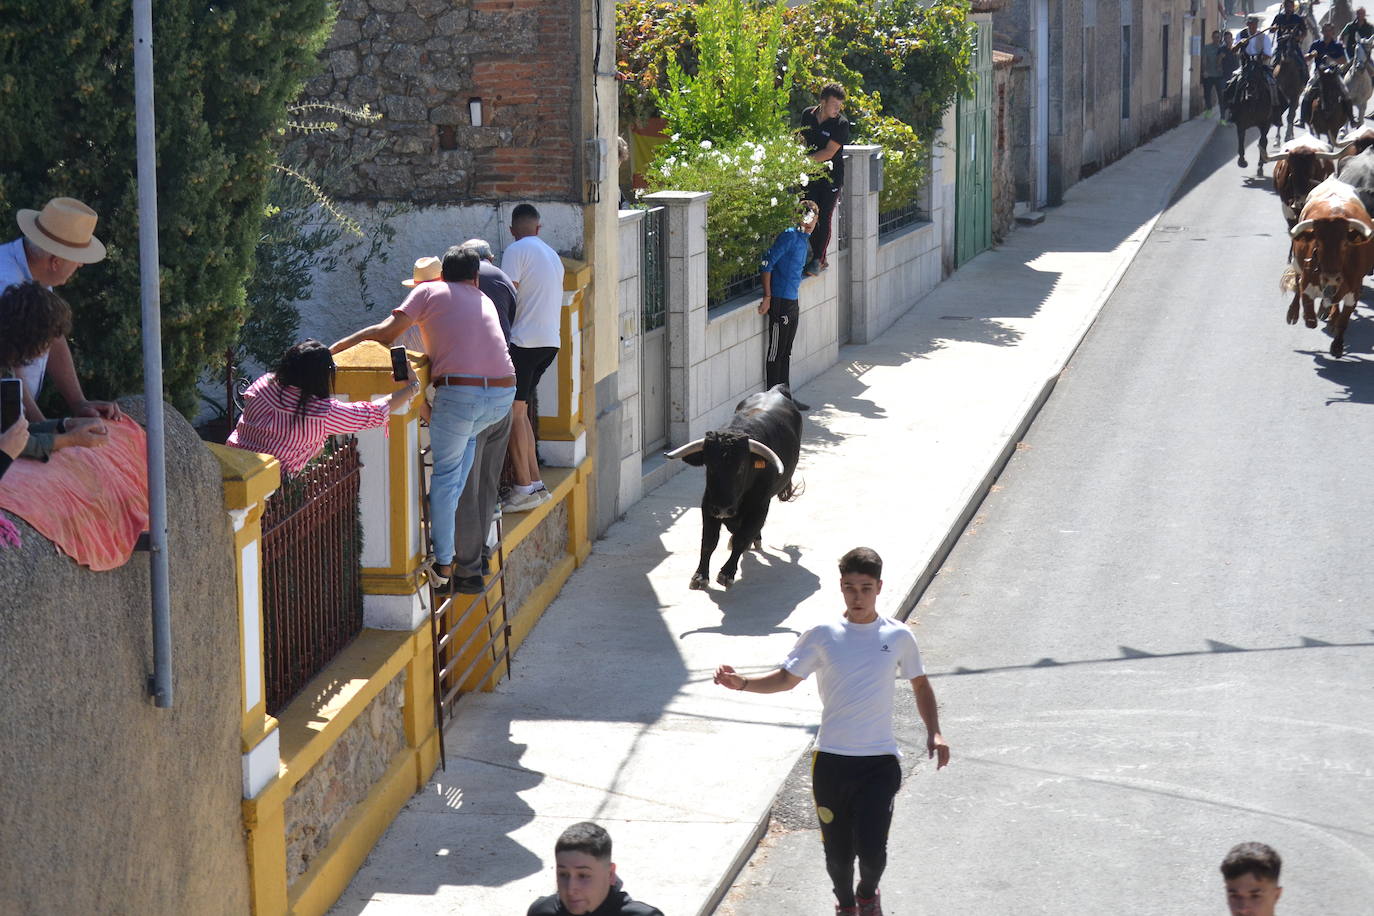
x=1101 y=77
x=421 y=63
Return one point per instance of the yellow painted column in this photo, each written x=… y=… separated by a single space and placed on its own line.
x=248 y=479
x=562 y=431
x=390 y=490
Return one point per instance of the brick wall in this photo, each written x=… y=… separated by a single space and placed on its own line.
x=418 y=62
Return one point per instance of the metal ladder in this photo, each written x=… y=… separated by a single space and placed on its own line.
x=448 y=682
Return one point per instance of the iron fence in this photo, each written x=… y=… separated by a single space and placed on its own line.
x=654 y=299
x=311 y=571
x=899 y=218
x=737 y=286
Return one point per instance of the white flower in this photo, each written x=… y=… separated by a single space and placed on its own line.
x=675 y=137
x=705 y=144
x=772 y=202
x=757 y=154
x=802 y=179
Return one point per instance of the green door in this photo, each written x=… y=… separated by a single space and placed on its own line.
x=973 y=187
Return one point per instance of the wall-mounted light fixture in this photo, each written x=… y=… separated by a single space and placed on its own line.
x=475 y=111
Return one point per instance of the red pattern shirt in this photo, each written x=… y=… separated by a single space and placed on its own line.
x=271 y=424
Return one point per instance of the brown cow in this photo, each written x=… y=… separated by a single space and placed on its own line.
x=1304 y=163
x=1331 y=255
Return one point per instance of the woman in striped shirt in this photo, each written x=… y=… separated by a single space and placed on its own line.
x=291 y=411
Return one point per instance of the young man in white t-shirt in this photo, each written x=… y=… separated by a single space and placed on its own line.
x=855 y=773
x=535 y=335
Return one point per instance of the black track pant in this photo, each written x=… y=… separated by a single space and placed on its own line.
x=782 y=329
x=825 y=195
x=854 y=805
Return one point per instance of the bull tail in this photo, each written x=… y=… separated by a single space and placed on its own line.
x=793 y=489
x=1288 y=283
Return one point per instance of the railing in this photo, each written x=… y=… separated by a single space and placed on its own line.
x=899 y=218
x=737 y=286
x=653 y=293
x=311 y=580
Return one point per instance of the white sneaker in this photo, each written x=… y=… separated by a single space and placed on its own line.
x=521 y=502
x=543 y=494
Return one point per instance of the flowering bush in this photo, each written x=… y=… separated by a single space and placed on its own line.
x=648 y=34
x=906 y=161
x=754 y=187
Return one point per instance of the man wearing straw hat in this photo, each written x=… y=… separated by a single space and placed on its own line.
x=56 y=241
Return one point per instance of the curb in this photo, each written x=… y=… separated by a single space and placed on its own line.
x=975 y=501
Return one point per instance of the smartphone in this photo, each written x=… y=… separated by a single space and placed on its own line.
x=399 y=368
x=11 y=401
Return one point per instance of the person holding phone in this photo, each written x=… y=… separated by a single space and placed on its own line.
x=290 y=412
x=33 y=316
x=54 y=242
x=13 y=438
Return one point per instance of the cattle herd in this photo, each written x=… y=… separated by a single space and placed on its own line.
x=1327 y=197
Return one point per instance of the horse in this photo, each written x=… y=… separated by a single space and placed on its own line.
x=1359 y=82
x=1339 y=15
x=1290 y=72
x=1330 y=110
x=1250 y=106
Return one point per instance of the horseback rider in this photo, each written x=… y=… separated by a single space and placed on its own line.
x=1253 y=45
x=1328 y=49
x=1289 y=23
x=1357 y=29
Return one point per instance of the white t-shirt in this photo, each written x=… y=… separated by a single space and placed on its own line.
x=857 y=665
x=537 y=272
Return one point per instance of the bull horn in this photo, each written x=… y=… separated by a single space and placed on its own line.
x=682 y=451
x=1278 y=157
x=1363 y=227
x=1297 y=230
x=766 y=453
x=1337 y=154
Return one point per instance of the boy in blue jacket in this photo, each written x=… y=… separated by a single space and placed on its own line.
x=781 y=273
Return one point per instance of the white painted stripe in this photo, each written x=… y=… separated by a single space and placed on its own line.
x=252 y=627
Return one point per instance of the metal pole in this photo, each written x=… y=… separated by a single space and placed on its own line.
x=160 y=684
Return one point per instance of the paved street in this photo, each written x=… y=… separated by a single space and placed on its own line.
x=1154 y=640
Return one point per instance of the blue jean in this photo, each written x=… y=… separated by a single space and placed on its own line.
x=459 y=414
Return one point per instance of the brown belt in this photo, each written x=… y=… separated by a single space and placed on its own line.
x=505 y=381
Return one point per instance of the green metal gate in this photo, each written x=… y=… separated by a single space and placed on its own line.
x=973 y=151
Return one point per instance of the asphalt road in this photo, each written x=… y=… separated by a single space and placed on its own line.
x=1156 y=639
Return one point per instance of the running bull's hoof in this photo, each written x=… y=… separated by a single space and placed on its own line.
x=724 y=580
x=698 y=582
x=758 y=543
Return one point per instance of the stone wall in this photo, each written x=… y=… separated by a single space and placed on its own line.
x=343 y=776
x=111 y=805
x=533 y=560
x=1003 y=174
x=418 y=62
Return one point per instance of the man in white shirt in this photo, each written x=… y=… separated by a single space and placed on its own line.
x=855 y=771
x=55 y=242
x=535 y=335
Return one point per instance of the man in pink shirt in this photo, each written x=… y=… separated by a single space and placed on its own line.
x=471 y=372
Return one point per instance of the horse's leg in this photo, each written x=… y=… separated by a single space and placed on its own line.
x=1240 y=144
x=1263 y=149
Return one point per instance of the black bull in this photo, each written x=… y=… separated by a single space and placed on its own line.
x=747 y=463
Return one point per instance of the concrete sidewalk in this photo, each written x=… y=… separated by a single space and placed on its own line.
x=611 y=714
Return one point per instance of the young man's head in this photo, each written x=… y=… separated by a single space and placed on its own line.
x=1252 y=24
x=524 y=221
x=461 y=265
x=584 y=868
x=861 y=581
x=1359 y=14
x=832 y=101
x=1288 y=6
x=1216 y=38
x=808 y=214
x=1328 y=32
x=1251 y=873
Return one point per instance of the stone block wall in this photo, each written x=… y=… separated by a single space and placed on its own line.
x=341 y=779
x=418 y=62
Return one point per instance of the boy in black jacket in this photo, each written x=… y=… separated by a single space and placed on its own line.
x=587 y=884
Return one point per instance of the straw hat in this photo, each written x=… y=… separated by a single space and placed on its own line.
x=426 y=269
x=64 y=227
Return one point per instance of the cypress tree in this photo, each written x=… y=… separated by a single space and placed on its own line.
x=224 y=74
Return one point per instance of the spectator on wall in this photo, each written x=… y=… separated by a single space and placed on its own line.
x=535 y=336
x=54 y=243
x=291 y=411
x=12 y=442
x=780 y=274
x=826 y=132
x=472 y=375
x=33 y=317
